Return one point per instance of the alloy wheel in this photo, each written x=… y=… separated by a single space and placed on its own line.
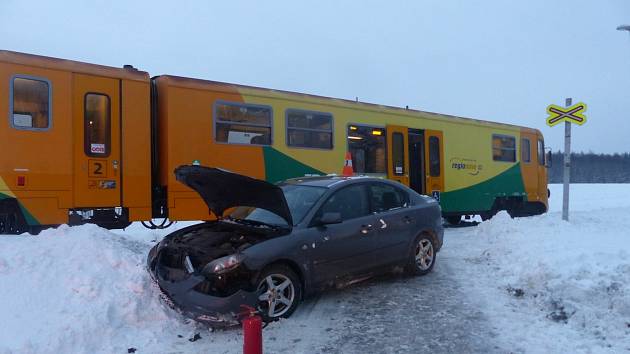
x=277 y=294
x=424 y=254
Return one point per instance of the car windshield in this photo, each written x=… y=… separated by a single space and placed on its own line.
x=300 y=199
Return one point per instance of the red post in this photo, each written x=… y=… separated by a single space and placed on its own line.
x=252 y=333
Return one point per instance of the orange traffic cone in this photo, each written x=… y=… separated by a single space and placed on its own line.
x=347 y=166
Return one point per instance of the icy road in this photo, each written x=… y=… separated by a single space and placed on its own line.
x=529 y=285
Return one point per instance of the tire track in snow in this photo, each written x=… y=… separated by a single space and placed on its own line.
x=400 y=314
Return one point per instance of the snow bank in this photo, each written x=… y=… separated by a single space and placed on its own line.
x=81 y=289
x=562 y=284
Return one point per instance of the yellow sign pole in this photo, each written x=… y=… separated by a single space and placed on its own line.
x=566 y=181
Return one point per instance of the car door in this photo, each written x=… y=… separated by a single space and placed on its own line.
x=343 y=249
x=394 y=222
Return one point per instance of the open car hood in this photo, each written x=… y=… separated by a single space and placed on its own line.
x=222 y=190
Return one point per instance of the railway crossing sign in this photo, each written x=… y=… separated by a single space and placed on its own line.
x=573 y=114
x=569 y=114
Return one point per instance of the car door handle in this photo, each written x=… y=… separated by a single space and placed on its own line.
x=366 y=228
x=407 y=219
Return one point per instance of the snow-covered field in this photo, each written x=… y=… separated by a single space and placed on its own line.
x=531 y=285
x=549 y=285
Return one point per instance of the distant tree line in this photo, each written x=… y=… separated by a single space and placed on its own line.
x=592 y=168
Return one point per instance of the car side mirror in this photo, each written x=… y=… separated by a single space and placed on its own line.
x=548 y=159
x=330 y=218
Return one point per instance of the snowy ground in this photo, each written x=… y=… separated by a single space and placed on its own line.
x=529 y=285
x=548 y=285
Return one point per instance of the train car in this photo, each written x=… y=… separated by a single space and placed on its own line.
x=472 y=167
x=85 y=143
x=75 y=143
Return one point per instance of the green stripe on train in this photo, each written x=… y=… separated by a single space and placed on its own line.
x=30 y=219
x=279 y=166
x=480 y=197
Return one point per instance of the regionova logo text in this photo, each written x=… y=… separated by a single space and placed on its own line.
x=469 y=166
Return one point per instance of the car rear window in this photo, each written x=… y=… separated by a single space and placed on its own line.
x=385 y=197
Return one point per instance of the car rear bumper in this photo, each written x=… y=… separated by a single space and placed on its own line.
x=439 y=235
x=182 y=296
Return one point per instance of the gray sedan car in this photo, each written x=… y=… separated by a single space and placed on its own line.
x=273 y=245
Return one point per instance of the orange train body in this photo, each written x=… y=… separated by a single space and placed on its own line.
x=88 y=143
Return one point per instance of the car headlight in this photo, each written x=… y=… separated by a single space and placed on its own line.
x=223 y=264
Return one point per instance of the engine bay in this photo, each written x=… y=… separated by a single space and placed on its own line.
x=213 y=240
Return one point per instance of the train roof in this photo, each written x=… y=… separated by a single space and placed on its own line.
x=72 y=66
x=138 y=75
x=298 y=96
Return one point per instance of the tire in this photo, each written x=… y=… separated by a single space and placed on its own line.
x=422 y=256
x=454 y=219
x=284 y=299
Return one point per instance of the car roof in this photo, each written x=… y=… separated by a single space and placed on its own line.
x=328 y=181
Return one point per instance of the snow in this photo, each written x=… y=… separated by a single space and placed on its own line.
x=80 y=289
x=527 y=285
x=550 y=285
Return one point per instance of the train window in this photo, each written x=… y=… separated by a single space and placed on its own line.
x=237 y=123
x=308 y=129
x=367 y=148
x=434 y=156
x=30 y=104
x=398 y=151
x=503 y=148
x=97 y=125
x=526 y=153
x=541 y=152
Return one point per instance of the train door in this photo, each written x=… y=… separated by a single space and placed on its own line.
x=529 y=165
x=434 y=163
x=96 y=120
x=416 y=161
x=398 y=154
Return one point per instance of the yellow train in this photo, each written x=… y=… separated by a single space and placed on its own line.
x=85 y=143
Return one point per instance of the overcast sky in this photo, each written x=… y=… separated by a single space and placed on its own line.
x=498 y=60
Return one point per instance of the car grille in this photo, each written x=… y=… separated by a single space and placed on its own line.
x=172 y=259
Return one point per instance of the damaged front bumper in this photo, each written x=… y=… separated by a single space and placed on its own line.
x=180 y=290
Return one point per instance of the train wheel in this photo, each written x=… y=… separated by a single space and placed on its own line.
x=454 y=219
x=10 y=224
x=12 y=219
x=488 y=215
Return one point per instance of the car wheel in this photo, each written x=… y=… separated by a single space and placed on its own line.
x=280 y=292
x=423 y=256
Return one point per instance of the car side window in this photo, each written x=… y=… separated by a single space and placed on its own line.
x=385 y=197
x=351 y=202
